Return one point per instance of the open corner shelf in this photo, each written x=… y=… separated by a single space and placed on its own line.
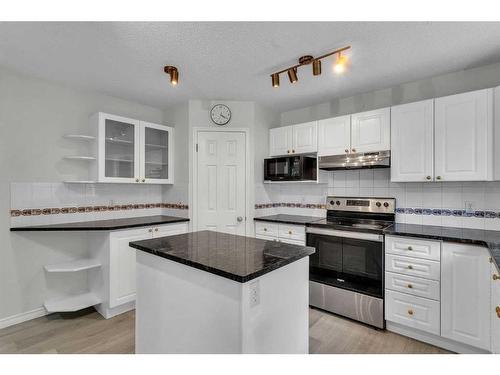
x=72 y=303
x=73 y=266
x=80 y=137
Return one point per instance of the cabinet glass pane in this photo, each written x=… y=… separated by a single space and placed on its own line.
x=119 y=149
x=156 y=153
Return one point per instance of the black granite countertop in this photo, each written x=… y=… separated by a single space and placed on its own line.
x=112 y=224
x=289 y=219
x=234 y=257
x=486 y=238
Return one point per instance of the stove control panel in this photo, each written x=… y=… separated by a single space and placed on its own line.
x=361 y=204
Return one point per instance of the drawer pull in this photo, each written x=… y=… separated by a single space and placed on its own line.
x=498 y=311
x=289 y=232
x=410 y=248
x=410 y=312
x=410 y=286
x=150 y=230
x=265 y=229
x=410 y=267
x=496 y=277
x=156 y=229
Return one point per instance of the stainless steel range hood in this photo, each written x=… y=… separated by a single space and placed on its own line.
x=379 y=159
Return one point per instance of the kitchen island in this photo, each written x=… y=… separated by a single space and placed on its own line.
x=211 y=292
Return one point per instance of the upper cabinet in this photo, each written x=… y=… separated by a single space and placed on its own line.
x=334 y=136
x=412 y=142
x=294 y=139
x=132 y=151
x=443 y=139
x=361 y=132
x=464 y=136
x=371 y=131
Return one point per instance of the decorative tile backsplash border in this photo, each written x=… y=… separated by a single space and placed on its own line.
x=294 y=205
x=82 y=209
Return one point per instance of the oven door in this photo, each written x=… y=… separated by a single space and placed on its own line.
x=347 y=260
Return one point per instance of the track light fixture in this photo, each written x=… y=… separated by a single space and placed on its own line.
x=174 y=74
x=339 y=66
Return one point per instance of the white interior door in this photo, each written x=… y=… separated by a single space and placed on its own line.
x=221 y=187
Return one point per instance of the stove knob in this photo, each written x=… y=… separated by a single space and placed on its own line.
x=386 y=204
x=332 y=202
x=338 y=203
x=378 y=204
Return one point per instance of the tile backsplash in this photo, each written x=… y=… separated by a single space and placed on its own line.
x=457 y=204
x=50 y=203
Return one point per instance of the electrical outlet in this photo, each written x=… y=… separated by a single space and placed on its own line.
x=254 y=294
x=469 y=207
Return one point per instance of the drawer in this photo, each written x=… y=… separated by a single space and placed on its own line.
x=266 y=229
x=415 y=286
x=413 y=247
x=293 y=242
x=292 y=232
x=414 y=312
x=427 y=269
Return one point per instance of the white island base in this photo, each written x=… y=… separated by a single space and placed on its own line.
x=181 y=309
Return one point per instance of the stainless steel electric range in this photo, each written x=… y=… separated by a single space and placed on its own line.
x=347 y=269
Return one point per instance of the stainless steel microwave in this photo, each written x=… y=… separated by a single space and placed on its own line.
x=290 y=168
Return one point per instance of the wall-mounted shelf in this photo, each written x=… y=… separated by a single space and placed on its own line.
x=74 y=266
x=77 y=157
x=80 y=137
x=72 y=303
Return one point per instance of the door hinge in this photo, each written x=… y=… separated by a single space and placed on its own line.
x=197 y=147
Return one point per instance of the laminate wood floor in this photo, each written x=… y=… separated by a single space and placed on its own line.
x=89 y=332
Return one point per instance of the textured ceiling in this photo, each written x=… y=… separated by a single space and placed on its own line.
x=233 y=60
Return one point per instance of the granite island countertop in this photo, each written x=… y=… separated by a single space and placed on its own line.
x=486 y=238
x=234 y=257
x=289 y=219
x=111 y=224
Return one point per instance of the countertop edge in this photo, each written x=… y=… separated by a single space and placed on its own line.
x=93 y=229
x=218 y=272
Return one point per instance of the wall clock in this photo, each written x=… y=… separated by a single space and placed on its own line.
x=220 y=114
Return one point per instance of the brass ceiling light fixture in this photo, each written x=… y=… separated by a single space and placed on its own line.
x=174 y=74
x=339 y=66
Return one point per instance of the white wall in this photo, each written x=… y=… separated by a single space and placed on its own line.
x=34 y=115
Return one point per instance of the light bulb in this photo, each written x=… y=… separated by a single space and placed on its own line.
x=340 y=65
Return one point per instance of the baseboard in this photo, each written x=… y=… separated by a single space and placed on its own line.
x=108 y=313
x=22 y=317
x=433 y=339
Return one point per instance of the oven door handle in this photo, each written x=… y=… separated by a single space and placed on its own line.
x=346 y=234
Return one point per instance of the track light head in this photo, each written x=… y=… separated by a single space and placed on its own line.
x=174 y=74
x=340 y=64
x=292 y=75
x=275 y=79
x=316 y=67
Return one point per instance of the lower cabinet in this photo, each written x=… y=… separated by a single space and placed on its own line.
x=495 y=310
x=288 y=233
x=122 y=262
x=465 y=294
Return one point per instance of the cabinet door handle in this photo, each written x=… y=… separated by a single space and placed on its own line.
x=353 y=150
x=156 y=229
x=288 y=151
x=438 y=177
x=410 y=312
x=150 y=230
x=136 y=180
x=410 y=286
x=410 y=267
x=143 y=180
x=428 y=177
x=496 y=277
x=346 y=150
x=289 y=232
x=293 y=151
x=497 y=309
x=265 y=229
x=410 y=248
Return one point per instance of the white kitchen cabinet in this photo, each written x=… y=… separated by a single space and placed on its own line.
x=132 y=151
x=465 y=294
x=371 y=131
x=122 y=259
x=412 y=142
x=495 y=310
x=294 y=139
x=464 y=136
x=280 y=141
x=334 y=136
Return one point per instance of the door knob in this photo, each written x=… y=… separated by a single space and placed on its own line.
x=240 y=219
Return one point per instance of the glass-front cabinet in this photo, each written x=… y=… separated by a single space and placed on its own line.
x=133 y=151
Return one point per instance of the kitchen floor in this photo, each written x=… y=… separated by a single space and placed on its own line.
x=89 y=332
